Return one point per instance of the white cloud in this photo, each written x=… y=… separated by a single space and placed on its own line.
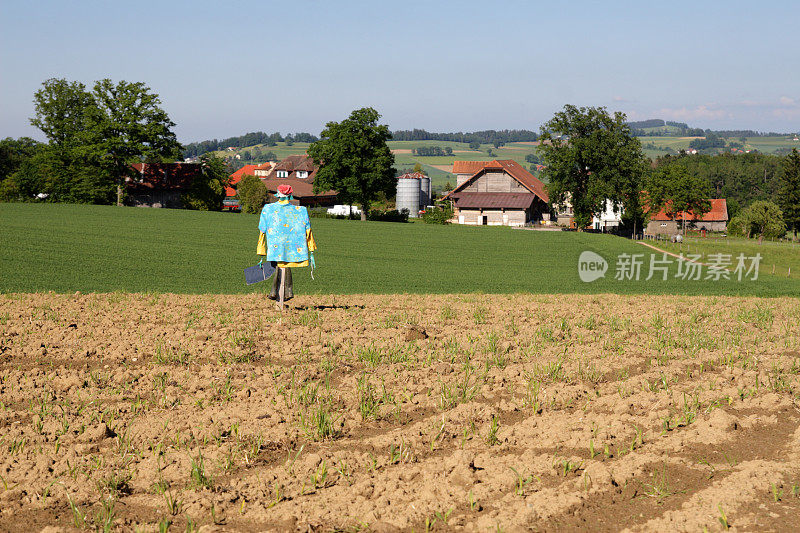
x=786 y=113
x=785 y=100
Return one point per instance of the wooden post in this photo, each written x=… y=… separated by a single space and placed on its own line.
x=281 y=288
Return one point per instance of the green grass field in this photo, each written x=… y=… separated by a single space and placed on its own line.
x=783 y=258
x=767 y=145
x=68 y=248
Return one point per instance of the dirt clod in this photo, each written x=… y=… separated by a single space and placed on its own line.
x=415 y=333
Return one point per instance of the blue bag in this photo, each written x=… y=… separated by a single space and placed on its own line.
x=259 y=272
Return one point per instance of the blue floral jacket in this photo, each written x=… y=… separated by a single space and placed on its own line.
x=287 y=229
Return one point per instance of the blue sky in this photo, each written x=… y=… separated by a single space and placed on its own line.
x=226 y=68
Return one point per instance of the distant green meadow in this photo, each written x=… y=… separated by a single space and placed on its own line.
x=767 y=145
x=779 y=257
x=67 y=248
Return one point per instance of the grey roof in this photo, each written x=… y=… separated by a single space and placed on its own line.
x=493 y=200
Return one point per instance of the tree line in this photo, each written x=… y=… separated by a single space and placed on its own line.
x=433 y=151
x=655 y=123
x=710 y=141
x=684 y=130
x=741 y=179
x=248 y=139
x=93 y=138
x=257 y=154
x=479 y=137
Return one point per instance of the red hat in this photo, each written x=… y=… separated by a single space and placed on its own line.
x=285 y=190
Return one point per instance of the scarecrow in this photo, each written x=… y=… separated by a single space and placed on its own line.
x=285 y=238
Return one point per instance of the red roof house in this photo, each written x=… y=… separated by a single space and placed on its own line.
x=295 y=170
x=298 y=171
x=236 y=177
x=718 y=212
x=715 y=219
x=159 y=184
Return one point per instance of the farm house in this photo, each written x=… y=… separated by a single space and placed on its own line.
x=609 y=218
x=715 y=220
x=159 y=184
x=497 y=193
x=299 y=172
x=247 y=170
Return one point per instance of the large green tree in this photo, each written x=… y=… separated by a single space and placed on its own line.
x=207 y=190
x=354 y=159
x=130 y=126
x=94 y=137
x=591 y=157
x=676 y=191
x=252 y=194
x=14 y=152
x=62 y=112
x=64 y=170
x=762 y=218
x=789 y=194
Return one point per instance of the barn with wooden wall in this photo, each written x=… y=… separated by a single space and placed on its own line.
x=498 y=193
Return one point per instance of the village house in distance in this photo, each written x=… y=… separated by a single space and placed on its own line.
x=497 y=193
x=159 y=184
x=295 y=170
x=715 y=220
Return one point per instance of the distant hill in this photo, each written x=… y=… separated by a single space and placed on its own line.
x=656 y=123
x=656 y=127
x=498 y=138
x=196 y=149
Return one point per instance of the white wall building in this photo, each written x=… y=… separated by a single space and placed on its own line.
x=344 y=210
x=607 y=218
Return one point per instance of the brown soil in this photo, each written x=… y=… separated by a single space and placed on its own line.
x=399 y=412
x=401 y=150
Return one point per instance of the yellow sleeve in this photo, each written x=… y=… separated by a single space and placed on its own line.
x=310 y=240
x=262 y=244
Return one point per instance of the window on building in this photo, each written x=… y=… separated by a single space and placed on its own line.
x=283 y=174
x=302 y=173
x=663 y=224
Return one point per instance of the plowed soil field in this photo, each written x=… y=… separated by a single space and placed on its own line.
x=477 y=412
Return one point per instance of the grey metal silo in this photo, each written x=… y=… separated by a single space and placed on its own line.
x=408 y=195
x=424 y=192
